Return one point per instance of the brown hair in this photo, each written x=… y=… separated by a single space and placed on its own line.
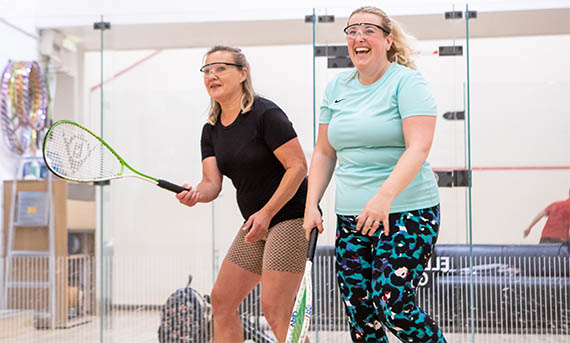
x=247 y=85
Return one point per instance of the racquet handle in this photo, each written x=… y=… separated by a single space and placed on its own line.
x=312 y=244
x=170 y=186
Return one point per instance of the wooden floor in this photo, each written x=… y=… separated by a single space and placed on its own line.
x=141 y=327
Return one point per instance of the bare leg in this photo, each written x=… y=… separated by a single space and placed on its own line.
x=232 y=286
x=277 y=299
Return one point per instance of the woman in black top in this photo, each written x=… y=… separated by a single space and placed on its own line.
x=250 y=140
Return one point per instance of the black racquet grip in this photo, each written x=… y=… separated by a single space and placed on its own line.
x=170 y=186
x=312 y=244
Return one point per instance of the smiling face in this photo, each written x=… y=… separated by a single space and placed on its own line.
x=225 y=83
x=367 y=49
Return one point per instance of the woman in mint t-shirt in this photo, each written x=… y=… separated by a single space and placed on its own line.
x=378 y=123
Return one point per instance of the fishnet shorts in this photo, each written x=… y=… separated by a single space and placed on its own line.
x=284 y=250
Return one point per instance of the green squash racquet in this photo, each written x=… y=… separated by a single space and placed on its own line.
x=74 y=153
x=303 y=308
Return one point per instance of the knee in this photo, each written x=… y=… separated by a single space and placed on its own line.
x=392 y=309
x=221 y=305
x=272 y=310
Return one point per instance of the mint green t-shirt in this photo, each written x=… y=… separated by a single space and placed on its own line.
x=365 y=129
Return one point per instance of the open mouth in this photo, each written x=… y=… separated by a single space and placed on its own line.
x=361 y=51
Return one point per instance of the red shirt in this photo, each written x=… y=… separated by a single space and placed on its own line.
x=558 y=223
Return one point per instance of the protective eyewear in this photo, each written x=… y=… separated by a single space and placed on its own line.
x=217 y=68
x=365 y=29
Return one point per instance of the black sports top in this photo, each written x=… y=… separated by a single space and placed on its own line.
x=244 y=153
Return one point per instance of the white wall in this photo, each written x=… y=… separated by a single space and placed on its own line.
x=154 y=114
x=521 y=117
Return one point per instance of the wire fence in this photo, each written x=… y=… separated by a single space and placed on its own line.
x=488 y=298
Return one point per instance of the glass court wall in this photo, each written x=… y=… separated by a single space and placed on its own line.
x=500 y=153
x=486 y=282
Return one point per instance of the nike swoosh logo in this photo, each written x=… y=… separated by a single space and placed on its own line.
x=338 y=100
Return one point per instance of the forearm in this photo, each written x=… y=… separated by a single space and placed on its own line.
x=536 y=219
x=404 y=172
x=320 y=174
x=287 y=188
x=208 y=191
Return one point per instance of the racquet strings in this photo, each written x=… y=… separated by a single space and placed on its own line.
x=76 y=154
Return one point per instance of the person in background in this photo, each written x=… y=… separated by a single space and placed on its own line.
x=377 y=122
x=557 y=227
x=250 y=140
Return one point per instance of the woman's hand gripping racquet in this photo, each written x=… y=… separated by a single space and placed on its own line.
x=74 y=153
x=303 y=309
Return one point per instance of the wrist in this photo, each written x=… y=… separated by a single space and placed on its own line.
x=311 y=207
x=311 y=203
x=268 y=212
x=386 y=194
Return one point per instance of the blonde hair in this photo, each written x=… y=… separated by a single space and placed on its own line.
x=400 y=51
x=248 y=95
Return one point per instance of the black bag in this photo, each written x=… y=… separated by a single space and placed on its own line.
x=186 y=317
